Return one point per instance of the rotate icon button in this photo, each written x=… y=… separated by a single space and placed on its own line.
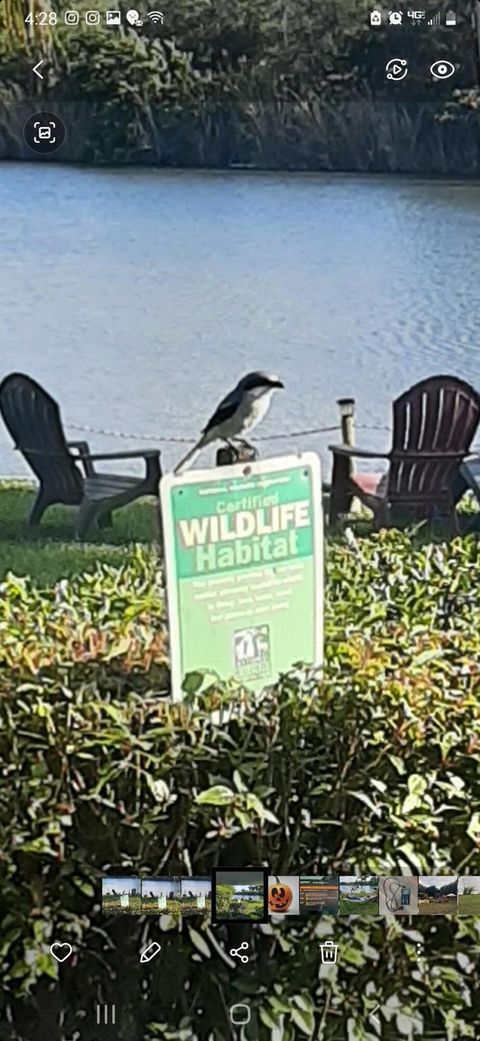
x=396 y=69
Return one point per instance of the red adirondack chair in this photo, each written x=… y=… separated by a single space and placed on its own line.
x=434 y=423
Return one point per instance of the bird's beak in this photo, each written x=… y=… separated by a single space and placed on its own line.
x=279 y=384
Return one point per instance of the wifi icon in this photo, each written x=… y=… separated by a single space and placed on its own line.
x=155 y=16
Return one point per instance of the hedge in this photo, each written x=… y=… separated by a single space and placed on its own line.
x=234 y=82
x=372 y=767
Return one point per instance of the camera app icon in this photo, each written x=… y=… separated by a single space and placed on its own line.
x=72 y=17
x=92 y=17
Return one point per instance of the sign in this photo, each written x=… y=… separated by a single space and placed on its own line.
x=244 y=566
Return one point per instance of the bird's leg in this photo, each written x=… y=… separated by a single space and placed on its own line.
x=233 y=448
x=241 y=441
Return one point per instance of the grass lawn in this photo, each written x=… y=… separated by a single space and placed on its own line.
x=150 y=906
x=188 y=906
x=246 y=909
x=112 y=905
x=438 y=906
x=363 y=907
x=49 y=552
x=469 y=903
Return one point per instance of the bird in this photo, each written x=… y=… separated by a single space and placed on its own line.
x=239 y=412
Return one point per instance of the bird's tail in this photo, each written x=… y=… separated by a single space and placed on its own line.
x=189 y=457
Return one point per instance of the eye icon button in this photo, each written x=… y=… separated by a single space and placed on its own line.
x=442 y=70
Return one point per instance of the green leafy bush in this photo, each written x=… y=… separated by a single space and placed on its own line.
x=371 y=768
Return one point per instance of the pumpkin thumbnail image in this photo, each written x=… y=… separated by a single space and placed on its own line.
x=283 y=894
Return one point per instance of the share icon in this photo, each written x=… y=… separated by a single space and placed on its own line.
x=235 y=952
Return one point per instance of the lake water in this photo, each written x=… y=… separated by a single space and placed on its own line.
x=139 y=297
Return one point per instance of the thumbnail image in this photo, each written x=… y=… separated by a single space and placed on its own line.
x=240 y=896
x=437 y=894
x=121 y=895
x=161 y=895
x=398 y=894
x=358 y=894
x=319 y=894
x=469 y=894
x=196 y=895
x=283 y=894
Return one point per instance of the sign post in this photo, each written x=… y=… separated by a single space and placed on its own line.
x=244 y=566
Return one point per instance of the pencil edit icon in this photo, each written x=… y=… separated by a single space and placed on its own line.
x=150 y=952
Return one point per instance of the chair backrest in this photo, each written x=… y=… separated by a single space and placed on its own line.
x=433 y=427
x=33 y=420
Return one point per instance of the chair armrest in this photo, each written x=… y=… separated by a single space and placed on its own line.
x=470 y=469
x=351 y=451
x=83 y=449
x=151 y=457
x=148 y=453
x=81 y=446
x=419 y=456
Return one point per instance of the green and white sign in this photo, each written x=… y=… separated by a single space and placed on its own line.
x=244 y=566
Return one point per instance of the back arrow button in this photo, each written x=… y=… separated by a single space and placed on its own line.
x=36 y=68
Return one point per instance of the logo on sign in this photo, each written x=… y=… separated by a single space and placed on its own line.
x=252 y=652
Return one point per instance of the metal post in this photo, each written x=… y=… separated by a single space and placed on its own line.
x=227 y=456
x=347 y=420
x=347 y=424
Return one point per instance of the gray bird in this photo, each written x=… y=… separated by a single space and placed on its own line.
x=238 y=413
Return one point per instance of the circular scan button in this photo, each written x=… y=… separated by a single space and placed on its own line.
x=240 y=1015
x=44 y=133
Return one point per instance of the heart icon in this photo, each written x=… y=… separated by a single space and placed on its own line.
x=61 y=951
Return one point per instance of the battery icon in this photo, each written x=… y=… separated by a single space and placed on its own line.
x=451 y=18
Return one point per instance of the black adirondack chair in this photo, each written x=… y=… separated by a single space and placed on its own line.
x=65 y=469
x=434 y=423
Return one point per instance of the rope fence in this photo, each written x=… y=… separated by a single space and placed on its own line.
x=84 y=429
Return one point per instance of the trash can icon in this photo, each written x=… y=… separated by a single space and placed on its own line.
x=328 y=951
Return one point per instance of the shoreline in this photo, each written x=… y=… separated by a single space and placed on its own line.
x=327 y=175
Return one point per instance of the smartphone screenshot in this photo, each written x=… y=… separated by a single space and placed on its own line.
x=239 y=521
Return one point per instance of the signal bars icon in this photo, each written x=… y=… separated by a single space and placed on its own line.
x=155 y=17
